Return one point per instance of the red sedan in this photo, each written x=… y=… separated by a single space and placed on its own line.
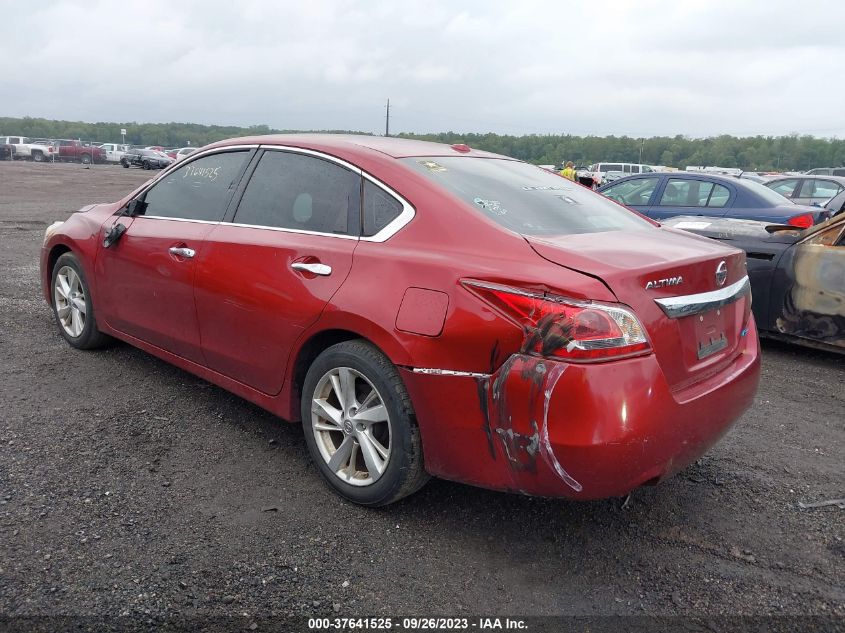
x=423 y=309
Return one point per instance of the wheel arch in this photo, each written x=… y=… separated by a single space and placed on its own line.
x=52 y=257
x=316 y=342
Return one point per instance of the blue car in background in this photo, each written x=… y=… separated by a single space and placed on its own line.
x=668 y=194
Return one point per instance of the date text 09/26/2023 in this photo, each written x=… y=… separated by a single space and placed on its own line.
x=416 y=624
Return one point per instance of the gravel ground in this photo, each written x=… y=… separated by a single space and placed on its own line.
x=130 y=487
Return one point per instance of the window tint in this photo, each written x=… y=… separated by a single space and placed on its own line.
x=839 y=172
x=611 y=167
x=380 y=208
x=525 y=198
x=296 y=191
x=198 y=191
x=686 y=193
x=634 y=192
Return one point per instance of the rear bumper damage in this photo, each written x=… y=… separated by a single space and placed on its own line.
x=549 y=428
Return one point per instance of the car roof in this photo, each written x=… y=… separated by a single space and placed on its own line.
x=395 y=147
x=683 y=175
x=839 y=179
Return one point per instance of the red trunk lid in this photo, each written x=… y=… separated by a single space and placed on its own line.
x=689 y=348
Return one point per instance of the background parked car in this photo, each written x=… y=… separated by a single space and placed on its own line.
x=827 y=171
x=146 y=159
x=77 y=151
x=797 y=277
x=185 y=151
x=662 y=195
x=608 y=172
x=808 y=189
x=27 y=148
x=114 y=151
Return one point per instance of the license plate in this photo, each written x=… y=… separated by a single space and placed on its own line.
x=710 y=330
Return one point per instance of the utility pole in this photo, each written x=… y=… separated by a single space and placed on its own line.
x=387 y=120
x=642 y=143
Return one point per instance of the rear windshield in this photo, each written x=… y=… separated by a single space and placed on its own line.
x=769 y=195
x=525 y=198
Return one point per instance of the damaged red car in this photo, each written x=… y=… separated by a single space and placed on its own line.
x=422 y=309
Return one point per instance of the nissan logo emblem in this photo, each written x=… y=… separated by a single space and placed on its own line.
x=721 y=273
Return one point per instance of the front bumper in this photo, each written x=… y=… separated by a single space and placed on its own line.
x=559 y=429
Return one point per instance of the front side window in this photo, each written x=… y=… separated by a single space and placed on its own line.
x=634 y=192
x=301 y=192
x=524 y=198
x=200 y=190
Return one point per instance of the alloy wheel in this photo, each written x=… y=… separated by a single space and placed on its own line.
x=351 y=426
x=69 y=297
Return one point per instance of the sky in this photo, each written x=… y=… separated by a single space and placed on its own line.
x=638 y=68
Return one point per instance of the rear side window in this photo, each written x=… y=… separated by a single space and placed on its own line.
x=380 y=208
x=301 y=192
x=200 y=190
x=686 y=193
x=819 y=189
x=525 y=198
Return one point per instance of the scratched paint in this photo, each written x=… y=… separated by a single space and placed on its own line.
x=515 y=415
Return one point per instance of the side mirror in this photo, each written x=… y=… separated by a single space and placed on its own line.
x=135 y=207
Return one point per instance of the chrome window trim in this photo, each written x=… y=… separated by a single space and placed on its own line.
x=407 y=214
x=394 y=226
x=286 y=230
x=677 y=307
x=164 y=217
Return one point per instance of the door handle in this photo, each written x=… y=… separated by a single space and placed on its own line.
x=180 y=251
x=316 y=269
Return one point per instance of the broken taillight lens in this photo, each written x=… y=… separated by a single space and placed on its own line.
x=564 y=328
x=803 y=221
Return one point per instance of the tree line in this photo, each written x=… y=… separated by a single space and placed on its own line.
x=753 y=153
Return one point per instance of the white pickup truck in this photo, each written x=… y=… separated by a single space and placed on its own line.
x=26 y=149
x=114 y=151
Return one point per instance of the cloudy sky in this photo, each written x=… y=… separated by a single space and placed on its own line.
x=641 y=68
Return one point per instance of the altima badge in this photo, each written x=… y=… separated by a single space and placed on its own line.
x=721 y=273
x=662 y=283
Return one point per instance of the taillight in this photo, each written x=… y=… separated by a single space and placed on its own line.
x=803 y=221
x=557 y=327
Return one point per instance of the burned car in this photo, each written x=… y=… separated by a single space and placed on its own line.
x=421 y=309
x=797 y=276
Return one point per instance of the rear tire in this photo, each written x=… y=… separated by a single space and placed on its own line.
x=360 y=427
x=72 y=305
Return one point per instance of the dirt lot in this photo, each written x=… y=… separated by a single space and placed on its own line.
x=130 y=487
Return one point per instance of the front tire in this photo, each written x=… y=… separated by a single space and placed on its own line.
x=360 y=427
x=86 y=159
x=146 y=164
x=38 y=157
x=72 y=305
